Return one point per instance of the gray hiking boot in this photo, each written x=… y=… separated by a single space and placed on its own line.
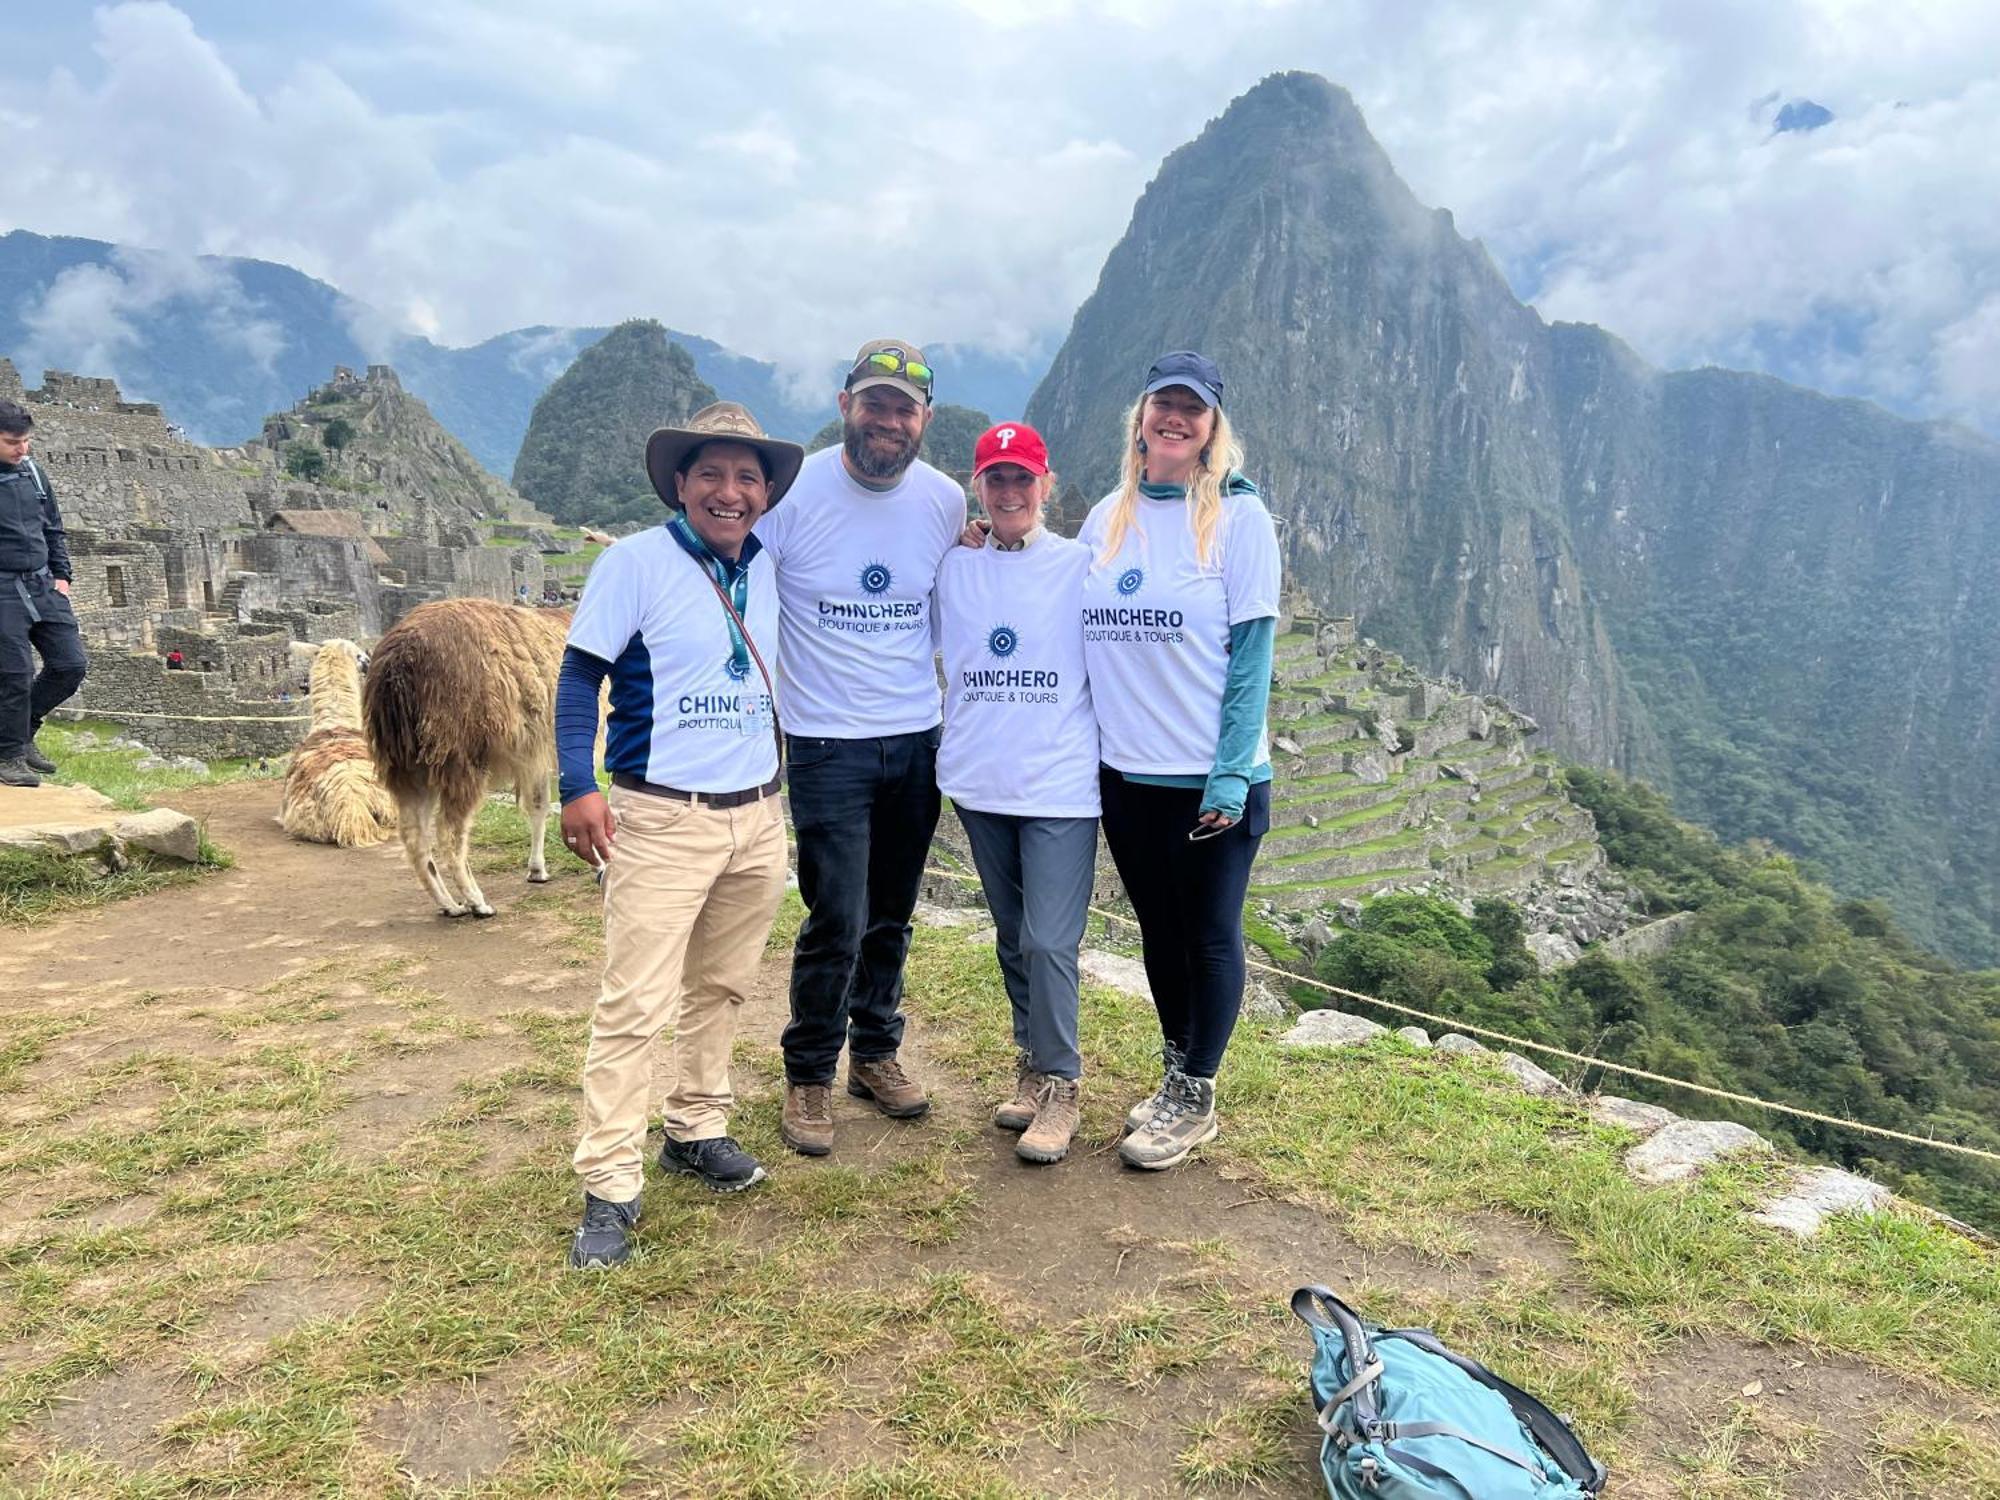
x=15 y=771
x=1018 y=1113
x=1146 y=1108
x=1171 y=1058
x=1184 y=1120
x=1058 y=1111
x=39 y=763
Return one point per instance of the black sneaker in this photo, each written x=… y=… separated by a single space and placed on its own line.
x=15 y=772
x=721 y=1164
x=604 y=1238
x=39 y=763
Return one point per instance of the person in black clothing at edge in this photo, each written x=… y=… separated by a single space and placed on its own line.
x=35 y=613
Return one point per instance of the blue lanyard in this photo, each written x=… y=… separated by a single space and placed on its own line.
x=733 y=576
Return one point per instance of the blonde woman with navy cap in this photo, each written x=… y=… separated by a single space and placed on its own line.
x=1179 y=610
x=1019 y=763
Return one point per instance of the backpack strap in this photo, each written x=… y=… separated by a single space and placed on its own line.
x=1320 y=1310
x=35 y=473
x=1548 y=1429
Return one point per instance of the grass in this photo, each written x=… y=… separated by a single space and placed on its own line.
x=805 y=1339
x=116 y=773
x=1406 y=1148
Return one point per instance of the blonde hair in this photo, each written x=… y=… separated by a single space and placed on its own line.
x=1222 y=457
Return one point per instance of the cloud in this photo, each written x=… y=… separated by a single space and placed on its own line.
x=788 y=180
x=87 y=319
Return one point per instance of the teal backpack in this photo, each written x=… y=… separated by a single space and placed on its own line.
x=1407 y=1419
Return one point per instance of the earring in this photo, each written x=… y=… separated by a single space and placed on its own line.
x=1204 y=458
x=1142 y=445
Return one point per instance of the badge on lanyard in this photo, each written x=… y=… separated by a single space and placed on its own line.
x=756 y=718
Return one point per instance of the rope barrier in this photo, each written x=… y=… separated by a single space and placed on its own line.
x=1629 y=1071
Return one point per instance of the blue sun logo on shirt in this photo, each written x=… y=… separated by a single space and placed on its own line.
x=876 y=578
x=1130 y=580
x=1003 y=640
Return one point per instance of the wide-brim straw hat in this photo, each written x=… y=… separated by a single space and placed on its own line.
x=724 y=421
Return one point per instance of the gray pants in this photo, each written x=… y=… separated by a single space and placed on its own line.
x=1037 y=873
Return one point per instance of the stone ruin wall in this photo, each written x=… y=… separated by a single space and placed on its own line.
x=169 y=549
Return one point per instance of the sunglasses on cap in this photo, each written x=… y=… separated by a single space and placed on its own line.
x=891 y=362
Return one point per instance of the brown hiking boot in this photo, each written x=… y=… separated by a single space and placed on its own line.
x=883 y=1080
x=1018 y=1113
x=1058 y=1111
x=807 y=1126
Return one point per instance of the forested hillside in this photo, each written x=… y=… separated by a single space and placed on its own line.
x=584 y=458
x=1778 y=988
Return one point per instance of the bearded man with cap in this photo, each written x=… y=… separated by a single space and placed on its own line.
x=857 y=547
x=1019 y=762
x=691 y=842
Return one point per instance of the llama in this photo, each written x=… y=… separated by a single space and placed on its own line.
x=461 y=692
x=331 y=794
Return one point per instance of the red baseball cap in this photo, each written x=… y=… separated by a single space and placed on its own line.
x=1010 y=443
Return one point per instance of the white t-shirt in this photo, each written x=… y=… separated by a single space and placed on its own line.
x=1156 y=629
x=855 y=572
x=679 y=715
x=1020 y=735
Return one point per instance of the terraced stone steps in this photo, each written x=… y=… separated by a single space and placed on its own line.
x=1352 y=816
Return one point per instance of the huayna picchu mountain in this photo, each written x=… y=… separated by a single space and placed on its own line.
x=1778 y=606
x=584 y=457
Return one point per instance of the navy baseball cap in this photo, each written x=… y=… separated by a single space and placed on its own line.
x=1185 y=367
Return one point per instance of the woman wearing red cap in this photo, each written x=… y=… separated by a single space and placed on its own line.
x=1019 y=762
x=1179 y=610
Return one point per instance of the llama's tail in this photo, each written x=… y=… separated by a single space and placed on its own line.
x=392 y=709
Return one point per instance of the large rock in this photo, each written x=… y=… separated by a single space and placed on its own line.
x=1416 y=1036
x=162 y=831
x=55 y=819
x=1114 y=971
x=930 y=914
x=1630 y=1114
x=1458 y=1044
x=1552 y=951
x=1263 y=1003
x=1682 y=1149
x=1816 y=1193
x=1651 y=938
x=1533 y=1078
x=1329 y=1028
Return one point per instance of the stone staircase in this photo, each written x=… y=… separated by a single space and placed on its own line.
x=1385 y=779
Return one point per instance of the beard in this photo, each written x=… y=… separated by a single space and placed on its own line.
x=875 y=460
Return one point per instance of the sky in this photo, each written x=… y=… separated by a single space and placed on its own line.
x=788 y=179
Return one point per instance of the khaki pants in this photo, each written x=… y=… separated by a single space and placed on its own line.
x=689 y=895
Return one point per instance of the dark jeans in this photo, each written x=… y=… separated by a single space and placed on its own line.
x=863 y=811
x=1188 y=897
x=34 y=620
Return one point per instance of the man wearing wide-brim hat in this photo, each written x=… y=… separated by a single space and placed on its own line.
x=683 y=622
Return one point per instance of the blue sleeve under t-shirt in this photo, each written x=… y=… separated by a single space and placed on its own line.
x=578 y=685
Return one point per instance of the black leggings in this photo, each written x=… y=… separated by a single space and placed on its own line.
x=1188 y=896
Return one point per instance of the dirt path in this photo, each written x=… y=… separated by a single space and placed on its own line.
x=194 y=971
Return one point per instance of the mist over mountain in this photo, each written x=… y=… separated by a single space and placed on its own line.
x=1777 y=605
x=221 y=342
